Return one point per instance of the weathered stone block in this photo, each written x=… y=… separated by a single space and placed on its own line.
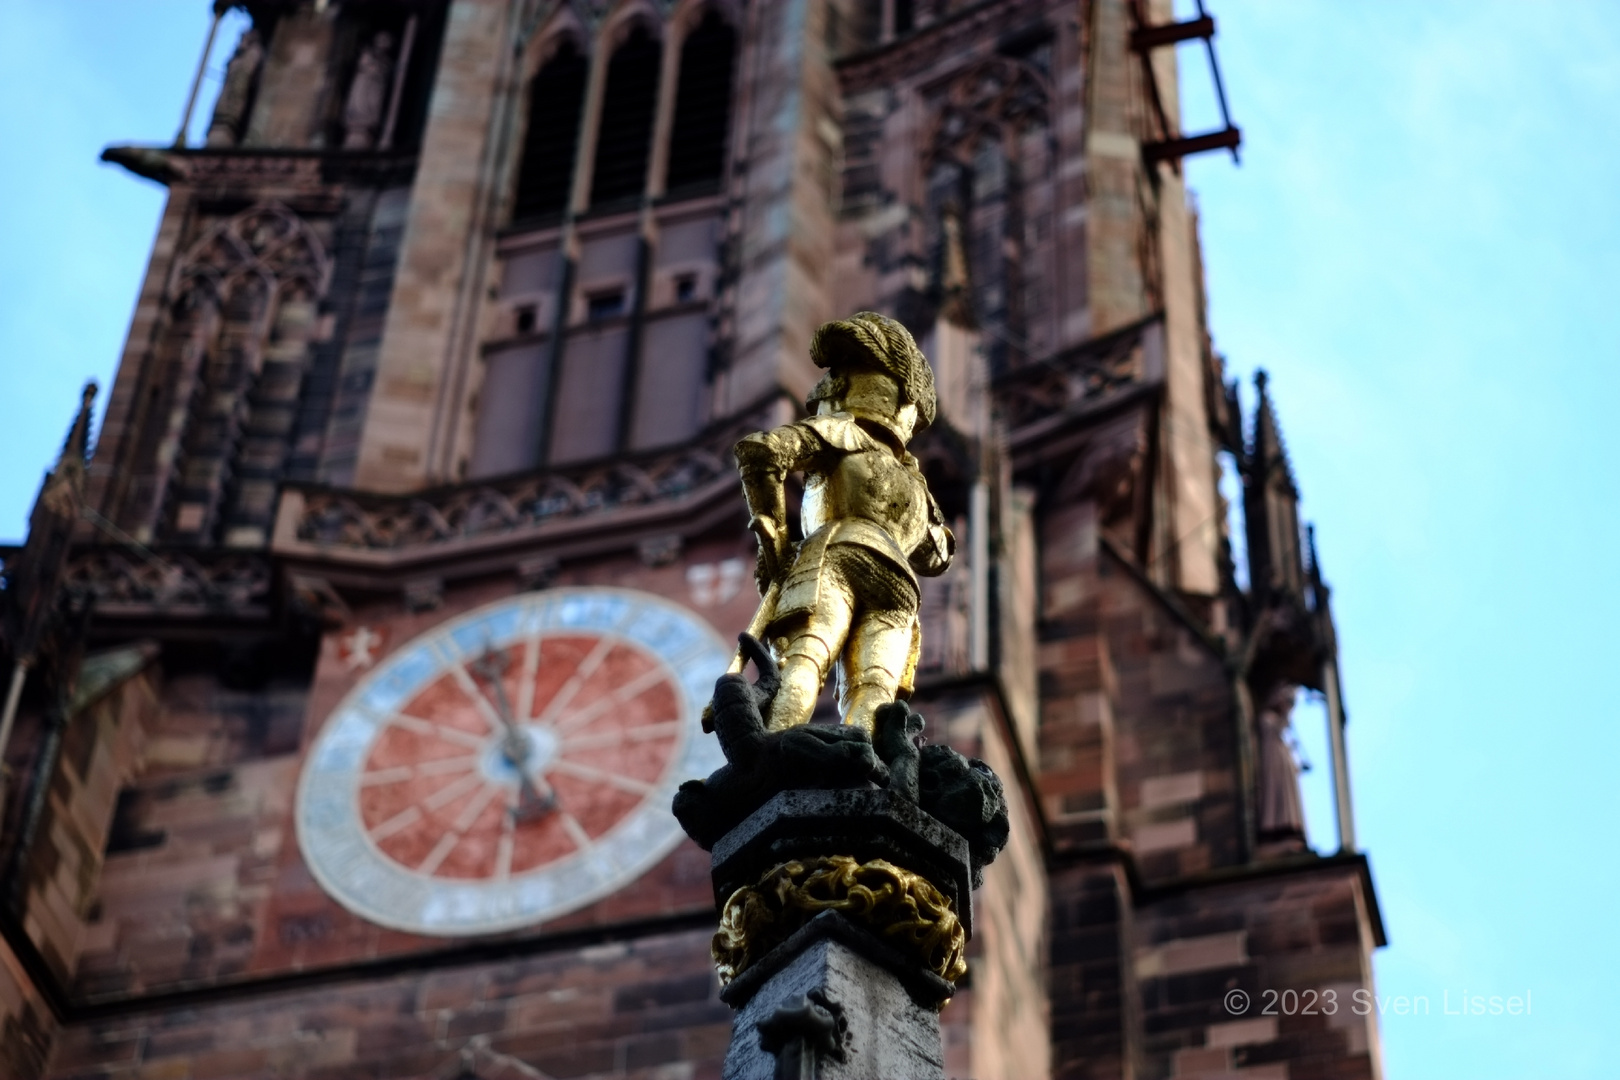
x=879 y=1029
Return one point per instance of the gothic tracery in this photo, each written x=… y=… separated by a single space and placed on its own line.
x=986 y=156
x=216 y=415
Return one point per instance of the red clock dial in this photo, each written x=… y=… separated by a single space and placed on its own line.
x=511 y=764
x=442 y=792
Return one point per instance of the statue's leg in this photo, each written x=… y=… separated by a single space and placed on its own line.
x=873 y=664
x=811 y=648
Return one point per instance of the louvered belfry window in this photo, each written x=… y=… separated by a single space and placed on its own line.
x=547 y=171
x=697 y=143
x=628 y=103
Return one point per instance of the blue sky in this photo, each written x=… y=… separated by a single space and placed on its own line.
x=1421 y=246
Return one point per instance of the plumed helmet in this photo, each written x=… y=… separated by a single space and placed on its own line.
x=869 y=340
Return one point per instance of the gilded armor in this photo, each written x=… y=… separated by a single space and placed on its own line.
x=846 y=597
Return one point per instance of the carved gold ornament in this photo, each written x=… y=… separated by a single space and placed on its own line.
x=901 y=908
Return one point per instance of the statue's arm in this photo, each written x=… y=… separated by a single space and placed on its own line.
x=933 y=556
x=764 y=459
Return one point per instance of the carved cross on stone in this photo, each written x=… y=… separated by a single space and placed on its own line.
x=800 y=1033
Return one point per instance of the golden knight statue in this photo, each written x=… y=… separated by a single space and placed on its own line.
x=847 y=594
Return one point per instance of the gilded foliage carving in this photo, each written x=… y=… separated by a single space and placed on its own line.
x=903 y=909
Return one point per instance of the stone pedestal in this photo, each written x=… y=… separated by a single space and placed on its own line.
x=821 y=1007
x=844 y=996
x=844 y=867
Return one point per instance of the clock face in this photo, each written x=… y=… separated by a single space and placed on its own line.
x=512 y=764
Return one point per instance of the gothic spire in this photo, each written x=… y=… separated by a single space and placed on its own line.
x=1269 y=453
x=77 y=446
x=1271 y=508
x=33 y=578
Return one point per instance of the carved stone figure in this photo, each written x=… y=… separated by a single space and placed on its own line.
x=1282 y=818
x=368 y=93
x=847 y=595
x=241 y=73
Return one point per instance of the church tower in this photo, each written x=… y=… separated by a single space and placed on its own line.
x=411 y=544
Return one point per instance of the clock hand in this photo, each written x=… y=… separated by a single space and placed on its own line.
x=536 y=798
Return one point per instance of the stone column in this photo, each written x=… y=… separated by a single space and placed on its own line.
x=843 y=870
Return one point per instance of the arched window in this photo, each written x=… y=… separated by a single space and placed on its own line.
x=145 y=483
x=547 y=171
x=214 y=430
x=697 y=143
x=271 y=406
x=625 y=135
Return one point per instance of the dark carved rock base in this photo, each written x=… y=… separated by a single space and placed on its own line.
x=959 y=792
